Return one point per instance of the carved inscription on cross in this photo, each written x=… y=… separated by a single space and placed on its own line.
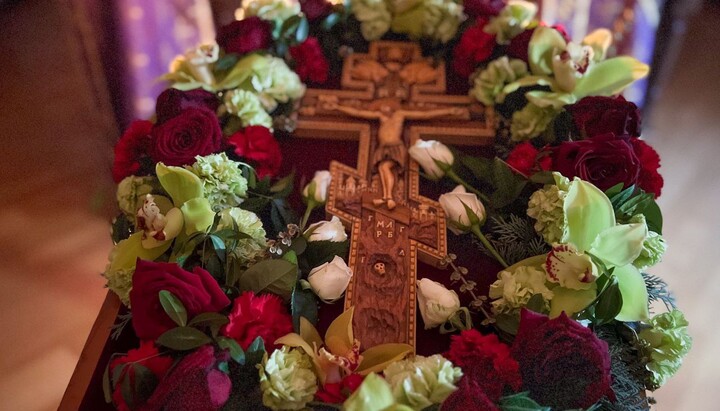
x=390 y=97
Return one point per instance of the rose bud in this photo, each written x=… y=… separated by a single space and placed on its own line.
x=462 y=210
x=437 y=303
x=332 y=230
x=317 y=189
x=330 y=280
x=433 y=156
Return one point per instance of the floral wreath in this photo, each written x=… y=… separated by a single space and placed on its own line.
x=226 y=318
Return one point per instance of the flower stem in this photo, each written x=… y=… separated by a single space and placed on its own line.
x=310 y=206
x=456 y=178
x=476 y=230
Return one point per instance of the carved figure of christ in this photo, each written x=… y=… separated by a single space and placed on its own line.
x=391 y=152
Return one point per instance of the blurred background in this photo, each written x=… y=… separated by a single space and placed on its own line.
x=73 y=73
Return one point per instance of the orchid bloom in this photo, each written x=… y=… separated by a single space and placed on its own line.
x=340 y=354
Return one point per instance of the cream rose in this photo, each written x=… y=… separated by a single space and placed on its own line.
x=318 y=187
x=332 y=230
x=330 y=280
x=461 y=219
x=437 y=303
x=426 y=153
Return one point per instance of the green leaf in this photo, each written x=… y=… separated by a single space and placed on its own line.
x=107 y=390
x=480 y=167
x=183 y=338
x=330 y=21
x=520 y=402
x=127 y=391
x=610 y=77
x=255 y=352
x=276 y=276
x=536 y=303
x=634 y=294
x=303 y=303
x=321 y=252
x=508 y=323
x=609 y=303
x=181 y=184
x=588 y=212
x=303 y=29
x=235 y=350
x=284 y=186
x=214 y=321
x=508 y=185
x=173 y=307
x=145 y=382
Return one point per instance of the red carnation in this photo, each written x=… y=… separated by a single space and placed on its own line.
x=650 y=180
x=310 y=62
x=255 y=316
x=601 y=115
x=197 y=290
x=315 y=9
x=603 y=160
x=193 y=132
x=475 y=46
x=563 y=364
x=244 y=36
x=130 y=150
x=196 y=383
x=526 y=159
x=337 y=393
x=257 y=145
x=483 y=8
x=172 y=102
x=485 y=361
x=146 y=355
x=468 y=396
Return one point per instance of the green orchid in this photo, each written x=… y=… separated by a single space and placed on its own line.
x=186 y=191
x=374 y=394
x=592 y=237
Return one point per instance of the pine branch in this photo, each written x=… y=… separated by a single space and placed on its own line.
x=658 y=291
x=627 y=373
x=514 y=238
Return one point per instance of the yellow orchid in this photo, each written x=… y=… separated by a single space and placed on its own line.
x=340 y=354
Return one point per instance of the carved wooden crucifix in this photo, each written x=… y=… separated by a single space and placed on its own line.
x=390 y=98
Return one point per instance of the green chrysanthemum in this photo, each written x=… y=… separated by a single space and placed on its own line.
x=119 y=281
x=223 y=183
x=489 y=84
x=513 y=290
x=373 y=16
x=287 y=380
x=531 y=121
x=247 y=106
x=442 y=19
x=248 y=249
x=546 y=207
x=513 y=19
x=131 y=192
x=667 y=342
x=422 y=381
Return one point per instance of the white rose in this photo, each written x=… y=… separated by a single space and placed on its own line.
x=320 y=184
x=437 y=303
x=332 y=230
x=330 y=280
x=454 y=204
x=427 y=152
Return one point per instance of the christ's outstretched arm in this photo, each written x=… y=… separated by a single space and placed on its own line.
x=430 y=114
x=353 y=112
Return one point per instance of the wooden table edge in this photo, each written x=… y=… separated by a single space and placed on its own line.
x=91 y=354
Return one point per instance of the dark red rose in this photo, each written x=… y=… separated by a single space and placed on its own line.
x=563 y=364
x=603 y=160
x=173 y=101
x=197 y=290
x=195 y=383
x=337 y=393
x=485 y=361
x=518 y=47
x=146 y=355
x=600 y=115
x=310 y=62
x=468 y=396
x=650 y=180
x=193 y=132
x=255 y=316
x=527 y=160
x=257 y=145
x=474 y=47
x=244 y=36
x=315 y=9
x=130 y=150
x=483 y=8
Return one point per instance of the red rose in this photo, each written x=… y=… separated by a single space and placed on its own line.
x=244 y=36
x=257 y=145
x=650 y=180
x=255 y=316
x=474 y=47
x=600 y=115
x=130 y=149
x=483 y=8
x=172 y=102
x=468 y=396
x=315 y=9
x=193 y=132
x=195 y=383
x=485 y=361
x=310 y=62
x=603 y=160
x=197 y=290
x=526 y=159
x=563 y=364
x=146 y=355
x=337 y=393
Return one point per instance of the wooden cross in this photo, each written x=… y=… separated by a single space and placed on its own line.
x=390 y=98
